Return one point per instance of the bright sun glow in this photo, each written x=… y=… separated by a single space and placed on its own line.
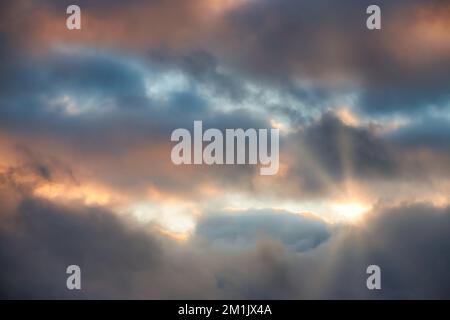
x=350 y=211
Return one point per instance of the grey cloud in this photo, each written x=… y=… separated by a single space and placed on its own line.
x=327 y=44
x=367 y=154
x=243 y=230
x=123 y=117
x=48 y=239
x=40 y=239
x=431 y=132
x=328 y=147
x=409 y=244
x=205 y=69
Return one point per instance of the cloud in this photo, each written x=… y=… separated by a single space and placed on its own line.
x=108 y=118
x=317 y=50
x=123 y=260
x=85 y=123
x=77 y=104
x=330 y=141
x=326 y=46
x=431 y=132
x=48 y=239
x=245 y=229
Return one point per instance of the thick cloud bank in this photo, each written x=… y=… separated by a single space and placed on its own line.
x=295 y=257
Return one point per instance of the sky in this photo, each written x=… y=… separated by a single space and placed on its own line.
x=86 y=176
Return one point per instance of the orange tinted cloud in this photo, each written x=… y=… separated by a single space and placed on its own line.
x=176 y=24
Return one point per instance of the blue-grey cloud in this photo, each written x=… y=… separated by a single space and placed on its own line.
x=244 y=230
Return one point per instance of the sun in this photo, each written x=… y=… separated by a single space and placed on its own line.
x=350 y=211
